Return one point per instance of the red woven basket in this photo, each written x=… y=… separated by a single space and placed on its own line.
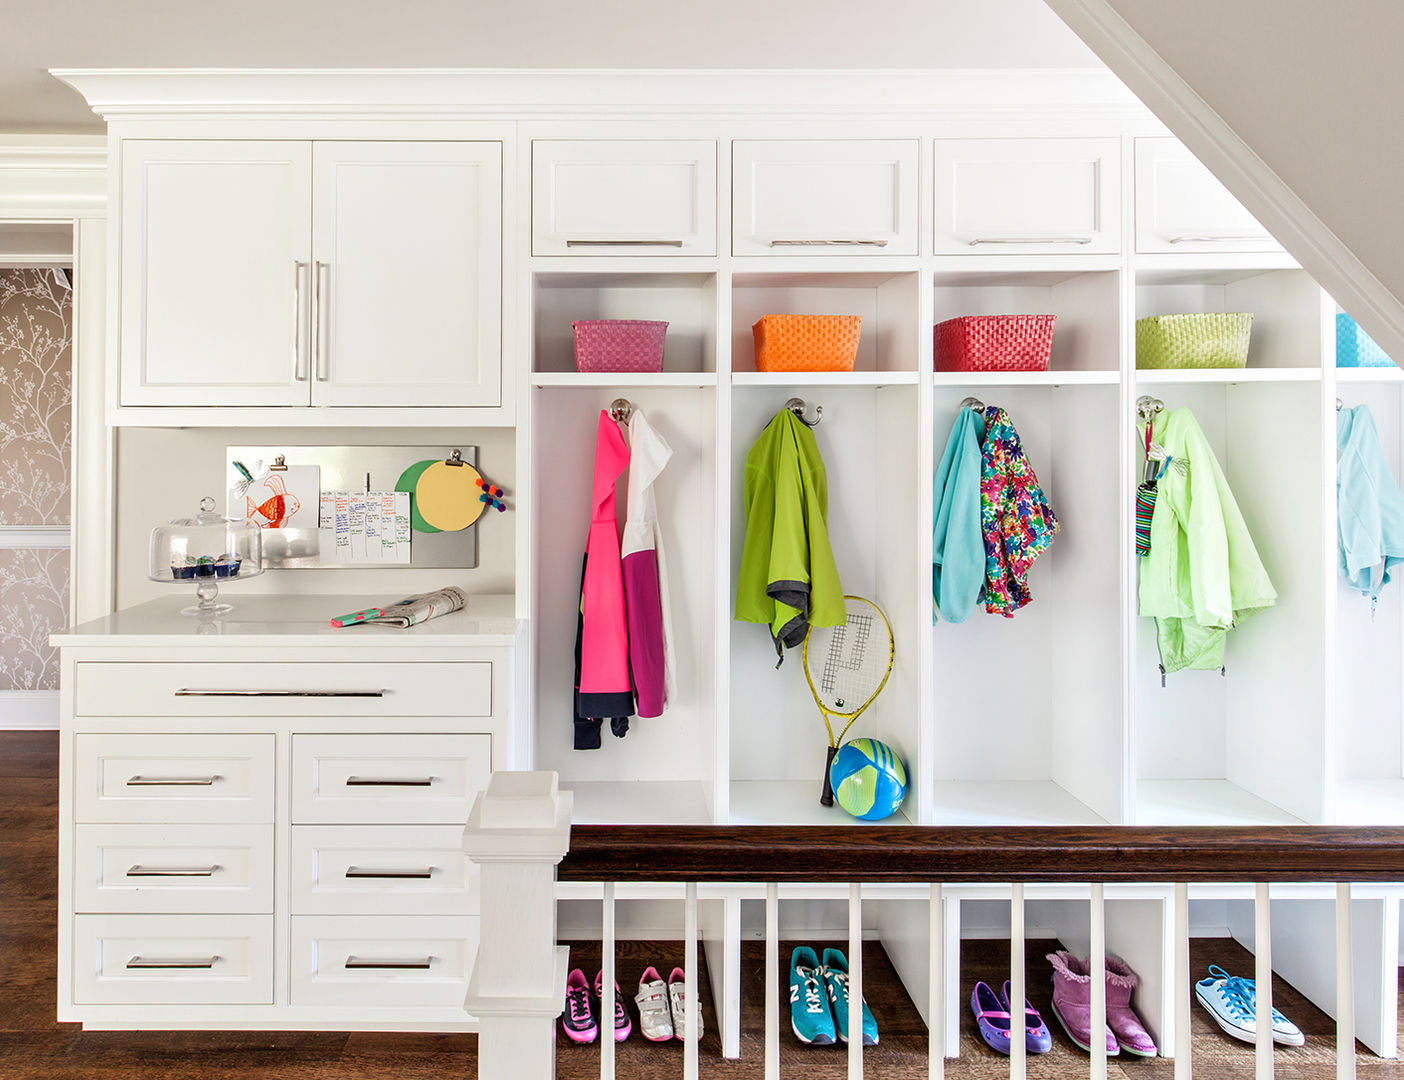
x=994 y=343
x=619 y=344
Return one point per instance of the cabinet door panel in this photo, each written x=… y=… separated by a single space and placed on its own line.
x=408 y=249
x=843 y=197
x=634 y=197
x=1181 y=206
x=214 y=302
x=1027 y=196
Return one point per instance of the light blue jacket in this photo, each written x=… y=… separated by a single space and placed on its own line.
x=1369 y=504
x=958 y=544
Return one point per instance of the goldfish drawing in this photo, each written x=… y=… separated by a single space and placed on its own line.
x=276 y=511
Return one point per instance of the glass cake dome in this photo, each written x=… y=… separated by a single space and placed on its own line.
x=204 y=551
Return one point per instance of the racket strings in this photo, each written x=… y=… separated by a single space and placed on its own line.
x=852 y=668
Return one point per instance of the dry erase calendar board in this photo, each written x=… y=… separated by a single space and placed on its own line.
x=291 y=509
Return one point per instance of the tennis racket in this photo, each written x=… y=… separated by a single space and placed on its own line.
x=847 y=666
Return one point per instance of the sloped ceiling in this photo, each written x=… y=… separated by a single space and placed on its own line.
x=36 y=35
x=1293 y=104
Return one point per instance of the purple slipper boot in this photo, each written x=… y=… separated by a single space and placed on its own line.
x=1072 y=1001
x=990 y=1017
x=1130 y=1033
x=1037 y=1038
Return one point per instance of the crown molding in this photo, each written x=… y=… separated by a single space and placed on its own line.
x=47 y=177
x=449 y=94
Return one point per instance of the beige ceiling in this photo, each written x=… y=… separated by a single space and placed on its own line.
x=36 y=35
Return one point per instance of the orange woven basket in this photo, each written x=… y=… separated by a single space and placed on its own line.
x=807 y=342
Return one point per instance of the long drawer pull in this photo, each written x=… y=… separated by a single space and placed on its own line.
x=358 y=872
x=355 y=964
x=143 y=964
x=1245 y=238
x=388 y=781
x=1030 y=240
x=624 y=243
x=173 y=871
x=172 y=781
x=188 y=692
x=828 y=243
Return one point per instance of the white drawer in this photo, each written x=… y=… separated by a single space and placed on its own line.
x=1181 y=206
x=284 y=689
x=1027 y=196
x=382 y=960
x=836 y=197
x=388 y=779
x=155 y=778
x=173 y=868
x=634 y=197
x=386 y=869
x=173 y=959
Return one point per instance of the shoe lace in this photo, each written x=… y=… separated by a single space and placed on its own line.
x=579 y=1002
x=1241 y=995
x=813 y=993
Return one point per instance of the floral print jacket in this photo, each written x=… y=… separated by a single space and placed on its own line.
x=1017 y=522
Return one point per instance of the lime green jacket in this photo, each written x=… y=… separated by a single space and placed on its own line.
x=788 y=578
x=1203 y=575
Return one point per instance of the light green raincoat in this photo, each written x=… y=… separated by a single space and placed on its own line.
x=1203 y=574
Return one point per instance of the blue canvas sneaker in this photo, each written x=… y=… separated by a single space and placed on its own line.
x=836 y=982
x=809 y=1007
x=1233 y=1003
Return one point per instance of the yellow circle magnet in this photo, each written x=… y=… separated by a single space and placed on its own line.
x=447 y=495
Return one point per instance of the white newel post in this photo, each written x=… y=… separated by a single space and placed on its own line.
x=518 y=831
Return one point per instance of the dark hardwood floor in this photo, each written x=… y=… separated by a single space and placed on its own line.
x=34 y=1047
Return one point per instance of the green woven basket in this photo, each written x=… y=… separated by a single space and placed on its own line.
x=1210 y=339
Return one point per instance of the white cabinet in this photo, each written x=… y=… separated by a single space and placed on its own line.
x=837 y=196
x=1027 y=196
x=624 y=197
x=216 y=240
x=1181 y=206
x=353 y=274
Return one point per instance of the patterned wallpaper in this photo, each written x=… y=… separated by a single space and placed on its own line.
x=36 y=437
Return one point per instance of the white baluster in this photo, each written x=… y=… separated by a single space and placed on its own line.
x=855 y=981
x=936 y=991
x=1345 y=986
x=606 y=1019
x=1184 y=1066
x=1262 y=938
x=1098 y=930
x=693 y=1008
x=772 y=981
x=1018 y=1055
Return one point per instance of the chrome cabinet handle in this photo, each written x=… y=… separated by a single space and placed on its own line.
x=1255 y=237
x=142 y=963
x=172 y=781
x=300 y=275
x=355 y=964
x=357 y=872
x=386 y=781
x=828 y=243
x=1030 y=240
x=189 y=692
x=624 y=243
x=321 y=320
x=173 y=871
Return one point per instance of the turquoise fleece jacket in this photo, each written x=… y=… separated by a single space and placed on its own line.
x=1369 y=505
x=957 y=542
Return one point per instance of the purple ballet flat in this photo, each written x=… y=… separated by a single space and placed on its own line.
x=1037 y=1038
x=990 y=1017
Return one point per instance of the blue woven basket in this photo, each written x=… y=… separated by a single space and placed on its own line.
x=1355 y=348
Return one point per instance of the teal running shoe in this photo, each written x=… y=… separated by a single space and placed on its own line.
x=809 y=1008
x=836 y=980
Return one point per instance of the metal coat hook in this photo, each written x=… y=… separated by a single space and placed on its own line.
x=620 y=409
x=1147 y=407
x=1339 y=404
x=797 y=406
x=972 y=403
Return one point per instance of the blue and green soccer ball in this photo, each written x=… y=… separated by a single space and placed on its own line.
x=868 y=779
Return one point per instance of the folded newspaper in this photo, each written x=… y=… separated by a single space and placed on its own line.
x=413 y=610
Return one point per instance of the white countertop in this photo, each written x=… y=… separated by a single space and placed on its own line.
x=488 y=620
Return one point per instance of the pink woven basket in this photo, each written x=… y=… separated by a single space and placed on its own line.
x=619 y=345
x=994 y=343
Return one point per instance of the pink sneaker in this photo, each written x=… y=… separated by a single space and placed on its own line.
x=579 y=1020
x=622 y=1024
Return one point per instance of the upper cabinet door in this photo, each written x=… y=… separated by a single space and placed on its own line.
x=636 y=197
x=841 y=196
x=407 y=241
x=1028 y=196
x=216 y=242
x=1181 y=206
